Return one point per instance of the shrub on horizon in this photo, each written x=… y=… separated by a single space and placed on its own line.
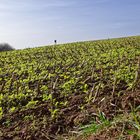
x=5 y=47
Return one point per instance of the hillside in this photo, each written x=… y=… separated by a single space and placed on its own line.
x=84 y=90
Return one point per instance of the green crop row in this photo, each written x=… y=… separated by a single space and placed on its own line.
x=53 y=73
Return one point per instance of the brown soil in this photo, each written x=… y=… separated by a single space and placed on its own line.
x=37 y=124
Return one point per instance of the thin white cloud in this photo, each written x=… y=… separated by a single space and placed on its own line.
x=28 y=9
x=102 y=1
x=33 y=5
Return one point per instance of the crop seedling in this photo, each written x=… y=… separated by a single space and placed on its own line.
x=53 y=85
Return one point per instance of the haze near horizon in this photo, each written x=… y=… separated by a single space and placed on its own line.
x=31 y=23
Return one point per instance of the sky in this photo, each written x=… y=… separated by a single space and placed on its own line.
x=32 y=23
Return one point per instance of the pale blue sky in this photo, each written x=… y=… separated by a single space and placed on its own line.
x=31 y=23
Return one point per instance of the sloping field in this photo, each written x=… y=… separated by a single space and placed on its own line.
x=71 y=91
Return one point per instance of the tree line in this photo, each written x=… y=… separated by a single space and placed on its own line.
x=5 y=47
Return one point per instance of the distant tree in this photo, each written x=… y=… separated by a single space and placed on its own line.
x=5 y=47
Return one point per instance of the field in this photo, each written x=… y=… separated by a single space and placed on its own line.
x=84 y=90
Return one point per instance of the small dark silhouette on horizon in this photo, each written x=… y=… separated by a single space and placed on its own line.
x=5 y=47
x=55 y=42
